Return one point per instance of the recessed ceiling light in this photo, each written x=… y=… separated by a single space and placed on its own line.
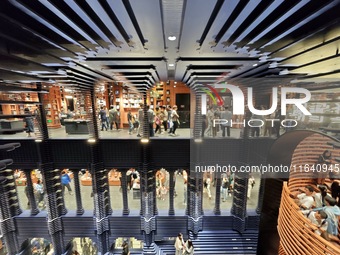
x=172 y=38
x=144 y=140
x=171 y=64
x=91 y=140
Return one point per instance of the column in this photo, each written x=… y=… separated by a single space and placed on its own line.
x=102 y=210
x=29 y=191
x=55 y=205
x=217 y=181
x=101 y=196
x=195 y=179
x=52 y=184
x=194 y=204
x=80 y=209
x=7 y=223
x=107 y=193
x=261 y=195
x=123 y=183
x=171 y=192
x=239 y=207
x=148 y=199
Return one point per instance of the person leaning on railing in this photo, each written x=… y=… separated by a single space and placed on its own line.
x=304 y=197
x=332 y=211
x=323 y=222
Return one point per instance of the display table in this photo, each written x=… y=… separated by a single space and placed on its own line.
x=88 y=182
x=73 y=126
x=114 y=182
x=11 y=126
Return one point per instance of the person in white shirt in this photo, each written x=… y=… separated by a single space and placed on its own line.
x=251 y=183
x=179 y=243
x=319 y=197
x=318 y=219
x=305 y=199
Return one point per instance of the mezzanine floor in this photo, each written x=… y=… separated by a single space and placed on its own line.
x=60 y=133
x=134 y=204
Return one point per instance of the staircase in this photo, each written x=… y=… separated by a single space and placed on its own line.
x=217 y=242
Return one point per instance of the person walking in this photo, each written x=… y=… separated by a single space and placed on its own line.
x=175 y=120
x=29 y=122
x=103 y=118
x=129 y=118
x=179 y=244
x=227 y=116
x=210 y=117
x=140 y=118
x=65 y=182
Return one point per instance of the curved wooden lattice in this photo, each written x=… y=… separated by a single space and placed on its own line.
x=296 y=232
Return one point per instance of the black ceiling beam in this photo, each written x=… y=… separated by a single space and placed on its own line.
x=294 y=51
x=116 y=21
x=318 y=23
x=319 y=75
x=15 y=63
x=134 y=21
x=294 y=19
x=101 y=74
x=211 y=20
x=57 y=22
x=128 y=67
x=238 y=9
x=208 y=67
x=259 y=9
x=199 y=74
x=209 y=59
x=24 y=20
x=103 y=59
x=73 y=16
x=127 y=74
x=94 y=16
x=283 y=8
x=14 y=76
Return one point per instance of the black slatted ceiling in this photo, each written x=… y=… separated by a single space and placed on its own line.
x=283 y=8
x=310 y=27
x=73 y=16
x=115 y=20
x=212 y=18
x=134 y=21
x=89 y=11
x=259 y=9
x=238 y=9
x=291 y=21
x=57 y=22
x=27 y=21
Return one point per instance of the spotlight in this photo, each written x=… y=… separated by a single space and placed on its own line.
x=144 y=140
x=91 y=140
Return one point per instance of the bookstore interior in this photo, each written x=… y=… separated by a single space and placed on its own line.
x=66 y=108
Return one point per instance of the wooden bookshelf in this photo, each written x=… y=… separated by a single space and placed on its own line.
x=52 y=106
